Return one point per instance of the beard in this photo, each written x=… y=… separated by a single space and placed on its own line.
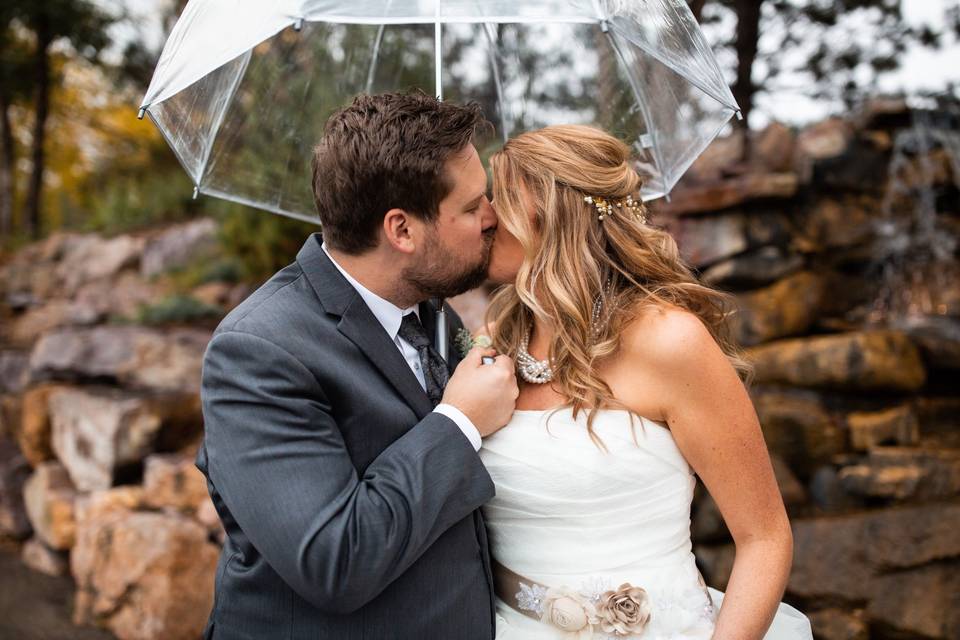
x=444 y=273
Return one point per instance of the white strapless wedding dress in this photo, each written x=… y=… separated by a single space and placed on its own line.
x=568 y=514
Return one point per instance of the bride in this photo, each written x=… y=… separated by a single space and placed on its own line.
x=630 y=386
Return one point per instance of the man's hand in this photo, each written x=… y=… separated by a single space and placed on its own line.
x=485 y=393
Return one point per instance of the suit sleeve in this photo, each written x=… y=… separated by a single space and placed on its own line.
x=279 y=462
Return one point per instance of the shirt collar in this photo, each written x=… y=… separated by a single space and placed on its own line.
x=388 y=314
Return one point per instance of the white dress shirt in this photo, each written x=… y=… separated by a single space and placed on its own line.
x=390 y=316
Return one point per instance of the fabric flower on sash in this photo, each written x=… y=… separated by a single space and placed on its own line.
x=569 y=612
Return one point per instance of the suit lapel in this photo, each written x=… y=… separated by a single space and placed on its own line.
x=357 y=322
x=361 y=326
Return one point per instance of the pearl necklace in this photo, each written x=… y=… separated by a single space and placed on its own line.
x=532 y=370
x=539 y=371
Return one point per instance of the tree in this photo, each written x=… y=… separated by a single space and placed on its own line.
x=14 y=54
x=838 y=49
x=83 y=26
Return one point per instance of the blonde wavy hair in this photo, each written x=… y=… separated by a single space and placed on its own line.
x=569 y=256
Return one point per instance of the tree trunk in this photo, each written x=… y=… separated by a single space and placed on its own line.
x=6 y=167
x=696 y=6
x=748 y=33
x=42 y=109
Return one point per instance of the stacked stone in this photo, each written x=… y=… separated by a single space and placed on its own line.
x=100 y=424
x=861 y=412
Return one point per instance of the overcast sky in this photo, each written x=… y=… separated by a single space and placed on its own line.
x=921 y=68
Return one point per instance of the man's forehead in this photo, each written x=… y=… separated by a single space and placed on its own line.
x=467 y=172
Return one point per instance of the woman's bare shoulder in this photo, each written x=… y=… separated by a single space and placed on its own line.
x=667 y=335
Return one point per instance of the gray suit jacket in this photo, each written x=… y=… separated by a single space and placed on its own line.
x=350 y=508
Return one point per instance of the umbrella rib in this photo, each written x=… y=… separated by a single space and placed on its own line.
x=221 y=115
x=374 y=58
x=638 y=93
x=487 y=28
x=256 y=204
x=376 y=51
x=437 y=59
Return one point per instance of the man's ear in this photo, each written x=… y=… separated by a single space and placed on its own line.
x=401 y=230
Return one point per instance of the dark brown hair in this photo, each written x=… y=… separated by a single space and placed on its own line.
x=382 y=152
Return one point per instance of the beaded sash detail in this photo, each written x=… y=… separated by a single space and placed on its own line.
x=597 y=609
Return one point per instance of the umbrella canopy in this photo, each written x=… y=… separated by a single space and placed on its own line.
x=243 y=87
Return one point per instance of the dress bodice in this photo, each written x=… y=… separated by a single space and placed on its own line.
x=570 y=513
x=629 y=505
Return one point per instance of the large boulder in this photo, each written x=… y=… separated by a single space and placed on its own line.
x=34 y=436
x=97 y=504
x=827 y=139
x=121 y=296
x=789 y=307
x=839 y=624
x=143 y=575
x=173 y=481
x=838 y=223
x=28 y=327
x=920 y=603
x=32 y=275
x=132 y=356
x=752 y=269
x=895 y=425
x=905 y=472
x=99 y=431
x=177 y=246
x=858 y=361
x=773 y=148
x=94 y=257
x=50 y=499
x=723 y=156
x=709 y=239
x=39 y=557
x=729 y=192
x=842 y=557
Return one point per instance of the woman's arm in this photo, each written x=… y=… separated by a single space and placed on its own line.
x=715 y=426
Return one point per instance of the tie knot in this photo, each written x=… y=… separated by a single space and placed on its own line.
x=413 y=332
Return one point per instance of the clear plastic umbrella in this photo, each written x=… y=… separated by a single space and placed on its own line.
x=243 y=87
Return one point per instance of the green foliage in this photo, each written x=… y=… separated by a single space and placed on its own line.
x=205 y=268
x=175 y=309
x=261 y=242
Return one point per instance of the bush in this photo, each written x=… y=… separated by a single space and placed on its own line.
x=176 y=309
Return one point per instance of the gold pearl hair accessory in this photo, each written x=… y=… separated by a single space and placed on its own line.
x=606 y=208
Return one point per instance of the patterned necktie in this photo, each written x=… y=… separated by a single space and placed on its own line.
x=435 y=371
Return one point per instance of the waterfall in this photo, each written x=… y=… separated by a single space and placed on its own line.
x=915 y=251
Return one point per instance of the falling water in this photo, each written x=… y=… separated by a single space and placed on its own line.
x=915 y=250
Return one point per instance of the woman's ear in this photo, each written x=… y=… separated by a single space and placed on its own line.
x=401 y=230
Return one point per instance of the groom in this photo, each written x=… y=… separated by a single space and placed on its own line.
x=340 y=450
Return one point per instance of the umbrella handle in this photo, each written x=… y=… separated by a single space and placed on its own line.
x=441 y=335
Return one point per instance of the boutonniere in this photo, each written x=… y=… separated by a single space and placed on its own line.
x=466 y=341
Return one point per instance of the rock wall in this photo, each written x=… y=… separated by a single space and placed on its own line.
x=100 y=422
x=849 y=304
x=848 y=292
